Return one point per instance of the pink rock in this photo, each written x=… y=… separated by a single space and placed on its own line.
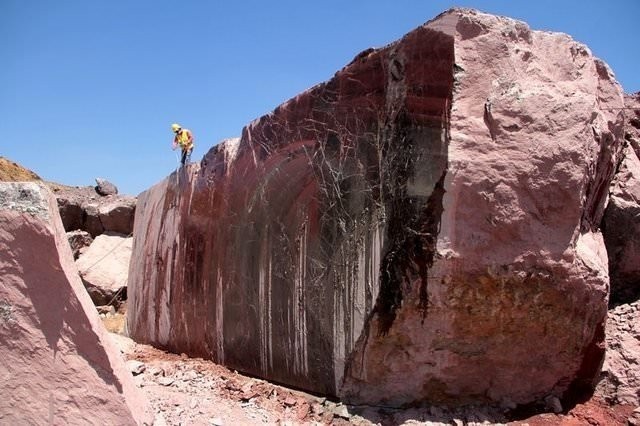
x=59 y=366
x=104 y=267
x=422 y=227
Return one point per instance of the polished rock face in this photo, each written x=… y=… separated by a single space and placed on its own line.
x=421 y=227
x=58 y=364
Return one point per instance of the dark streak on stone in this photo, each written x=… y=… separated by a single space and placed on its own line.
x=412 y=230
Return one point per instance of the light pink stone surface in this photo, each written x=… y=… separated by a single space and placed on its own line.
x=104 y=267
x=58 y=365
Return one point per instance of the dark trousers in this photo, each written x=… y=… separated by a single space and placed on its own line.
x=186 y=155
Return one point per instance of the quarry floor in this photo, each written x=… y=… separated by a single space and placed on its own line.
x=193 y=391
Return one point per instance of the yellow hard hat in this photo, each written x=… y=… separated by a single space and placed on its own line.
x=175 y=127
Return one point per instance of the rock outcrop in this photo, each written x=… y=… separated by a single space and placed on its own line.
x=83 y=208
x=421 y=228
x=59 y=366
x=621 y=227
x=104 y=267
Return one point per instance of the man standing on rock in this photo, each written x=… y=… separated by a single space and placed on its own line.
x=184 y=139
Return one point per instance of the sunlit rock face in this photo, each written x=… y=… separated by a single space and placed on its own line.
x=59 y=365
x=420 y=228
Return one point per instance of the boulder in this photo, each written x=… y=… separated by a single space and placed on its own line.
x=59 y=365
x=621 y=227
x=422 y=228
x=79 y=241
x=104 y=187
x=104 y=267
x=117 y=215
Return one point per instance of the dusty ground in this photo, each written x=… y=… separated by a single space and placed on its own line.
x=193 y=391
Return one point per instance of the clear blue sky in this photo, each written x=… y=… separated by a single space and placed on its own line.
x=89 y=88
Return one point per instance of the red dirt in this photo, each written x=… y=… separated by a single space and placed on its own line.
x=593 y=412
x=194 y=391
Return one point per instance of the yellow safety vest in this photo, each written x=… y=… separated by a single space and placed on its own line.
x=184 y=138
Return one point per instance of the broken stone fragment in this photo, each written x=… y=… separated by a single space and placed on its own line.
x=341 y=410
x=289 y=401
x=165 y=381
x=135 y=367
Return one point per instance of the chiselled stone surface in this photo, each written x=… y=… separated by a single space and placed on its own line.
x=621 y=224
x=58 y=364
x=421 y=227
